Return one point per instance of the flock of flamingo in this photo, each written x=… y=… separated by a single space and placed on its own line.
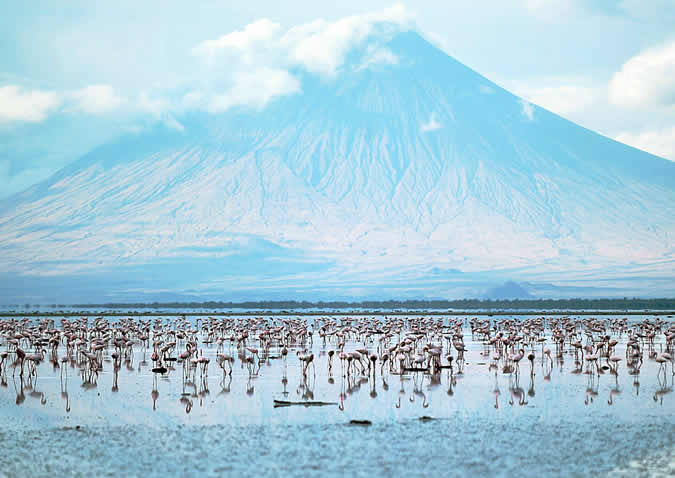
x=413 y=348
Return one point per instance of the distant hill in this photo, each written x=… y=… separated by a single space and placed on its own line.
x=508 y=290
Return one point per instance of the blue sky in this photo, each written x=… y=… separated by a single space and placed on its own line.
x=76 y=74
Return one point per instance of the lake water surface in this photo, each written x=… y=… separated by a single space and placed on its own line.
x=551 y=421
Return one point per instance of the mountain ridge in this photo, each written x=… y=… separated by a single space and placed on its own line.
x=381 y=172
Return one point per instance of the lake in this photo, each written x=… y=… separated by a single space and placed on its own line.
x=552 y=418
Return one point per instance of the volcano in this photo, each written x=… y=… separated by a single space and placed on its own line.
x=402 y=175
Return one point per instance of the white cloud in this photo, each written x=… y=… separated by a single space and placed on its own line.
x=252 y=66
x=28 y=105
x=255 y=88
x=527 y=109
x=261 y=35
x=249 y=67
x=431 y=125
x=647 y=79
x=660 y=142
x=19 y=104
x=319 y=46
x=96 y=99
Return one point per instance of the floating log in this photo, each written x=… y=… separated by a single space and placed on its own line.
x=306 y=403
x=415 y=369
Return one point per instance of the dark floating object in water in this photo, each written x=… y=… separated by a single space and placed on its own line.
x=415 y=369
x=286 y=403
x=480 y=363
x=426 y=418
x=171 y=359
x=360 y=422
x=159 y=370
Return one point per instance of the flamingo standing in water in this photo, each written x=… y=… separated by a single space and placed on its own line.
x=530 y=357
x=330 y=360
x=384 y=358
x=225 y=358
x=284 y=354
x=615 y=359
x=254 y=351
x=373 y=359
x=3 y=357
x=516 y=358
x=547 y=352
x=20 y=356
x=342 y=356
x=34 y=360
x=661 y=360
x=308 y=360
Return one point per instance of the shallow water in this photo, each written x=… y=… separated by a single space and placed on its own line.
x=553 y=422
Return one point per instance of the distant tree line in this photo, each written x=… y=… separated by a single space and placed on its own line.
x=478 y=304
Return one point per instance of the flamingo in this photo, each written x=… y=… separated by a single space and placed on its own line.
x=20 y=356
x=330 y=360
x=530 y=357
x=516 y=358
x=615 y=359
x=547 y=352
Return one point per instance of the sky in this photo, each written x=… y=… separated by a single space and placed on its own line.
x=77 y=74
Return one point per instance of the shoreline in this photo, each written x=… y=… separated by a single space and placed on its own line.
x=248 y=313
